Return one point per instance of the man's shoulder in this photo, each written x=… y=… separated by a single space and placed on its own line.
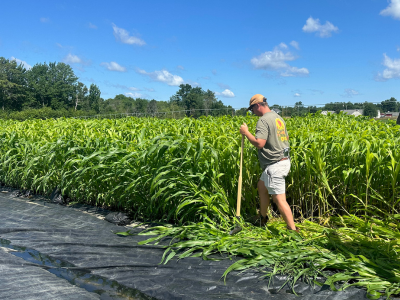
x=269 y=116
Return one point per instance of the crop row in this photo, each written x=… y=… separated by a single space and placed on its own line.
x=180 y=170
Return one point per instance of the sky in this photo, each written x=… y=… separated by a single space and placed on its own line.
x=316 y=51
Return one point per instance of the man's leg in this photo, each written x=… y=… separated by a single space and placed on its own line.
x=264 y=198
x=284 y=209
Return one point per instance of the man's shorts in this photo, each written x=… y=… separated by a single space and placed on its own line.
x=274 y=177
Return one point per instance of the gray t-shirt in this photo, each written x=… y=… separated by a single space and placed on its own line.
x=271 y=127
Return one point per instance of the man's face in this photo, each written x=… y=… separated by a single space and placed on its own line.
x=255 y=109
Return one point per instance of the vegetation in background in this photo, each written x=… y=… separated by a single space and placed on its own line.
x=184 y=171
x=55 y=86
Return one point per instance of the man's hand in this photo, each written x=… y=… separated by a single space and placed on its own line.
x=244 y=129
x=258 y=143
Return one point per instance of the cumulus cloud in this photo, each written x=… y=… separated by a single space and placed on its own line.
x=163 y=76
x=24 y=63
x=350 y=93
x=392 y=68
x=313 y=25
x=113 y=66
x=133 y=95
x=226 y=93
x=123 y=36
x=295 y=45
x=393 y=10
x=276 y=60
x=297 y=95
x=72 y=59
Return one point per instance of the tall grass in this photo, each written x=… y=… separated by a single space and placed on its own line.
x=174 y=169
x=186 y=171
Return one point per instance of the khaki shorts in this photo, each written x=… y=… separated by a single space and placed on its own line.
x=274 y=177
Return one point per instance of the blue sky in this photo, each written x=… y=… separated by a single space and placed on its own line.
x=310 y=51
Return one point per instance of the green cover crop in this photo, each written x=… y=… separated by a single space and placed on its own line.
x=344 y=175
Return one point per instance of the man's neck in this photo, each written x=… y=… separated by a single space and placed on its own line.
x=265 y=109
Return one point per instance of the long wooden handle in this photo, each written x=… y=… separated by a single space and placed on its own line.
x=239 y=195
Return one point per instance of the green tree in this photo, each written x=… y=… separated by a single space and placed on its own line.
x=370 y=110
x=81 y=96
x=13 y=88
x=39 y=86
x=52 y=85
x=63 y=80
x=141 y=105
x=389 y=105
x=94 y=98
x=152 y=108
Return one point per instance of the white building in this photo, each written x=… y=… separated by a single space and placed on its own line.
x=353 y=112
x=326 y=112
x=392 y=114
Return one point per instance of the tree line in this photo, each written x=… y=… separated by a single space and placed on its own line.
x=369 y=109
x=53 y=90
x=52 y=85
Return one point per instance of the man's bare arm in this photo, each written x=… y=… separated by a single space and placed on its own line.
x=258 y=143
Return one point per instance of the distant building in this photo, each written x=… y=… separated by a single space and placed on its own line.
x=326 y=112
x=392 y=114
x=353 y=112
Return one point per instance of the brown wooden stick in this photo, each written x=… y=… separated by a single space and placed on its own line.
x=239 y=195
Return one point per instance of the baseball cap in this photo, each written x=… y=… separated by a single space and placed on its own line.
x=257 y=98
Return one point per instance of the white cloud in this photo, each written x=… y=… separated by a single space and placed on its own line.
x=91 y=25
x=283 y=46
x=150 y=89
x=113 y=66
x=226 y=93
x=295 y=45
x=349 y=93
x=181 y=67
x=72 y=59
x=123 y=36
x=133 y=95
x=163 y=76
x=297 y=95
x=24 y=63
x=392 y=68
x=277 y=60
x=44 y=20
x=392 y=10
x=313 y=25
x=134 y=88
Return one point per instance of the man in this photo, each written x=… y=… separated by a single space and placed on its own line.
x=272 y=141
